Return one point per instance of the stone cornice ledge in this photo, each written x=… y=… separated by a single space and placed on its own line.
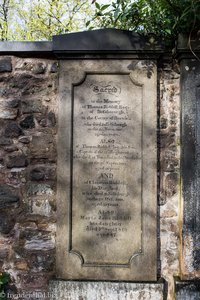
x=107 y=43
x=26 y=48
x=111 y=42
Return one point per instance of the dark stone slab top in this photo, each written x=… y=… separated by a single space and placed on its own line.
x=106 y=41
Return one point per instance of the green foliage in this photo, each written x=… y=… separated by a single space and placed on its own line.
x=4 y=279
x=163 y=17
x=41 y=19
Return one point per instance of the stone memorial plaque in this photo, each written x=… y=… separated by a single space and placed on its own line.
x=107 y=171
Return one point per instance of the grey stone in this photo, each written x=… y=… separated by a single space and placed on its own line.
x=28 y=122
x=42 y=172
x=16 y=160
x=39 y=68
x=6 y=222
x=42 y=146
x=5 y=64
x=25 y=83
x=42 y=260
x=105 y=202
x=25 y=139
x=105 y=40
x=25 y=47
x=51 y=119
x=190 y=168
x=105 y=290
x=39 y=189
x=171 y=184
x=11 y=148
x=54 y=67
x=188 y=290
x=13 y=130
x=7 y=198
x=11 y=103
x=5 y=141
x=39 y=244
x=7 y=113
x=32 y=106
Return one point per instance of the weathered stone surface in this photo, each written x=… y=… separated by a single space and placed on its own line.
x=4 y=252
x=39 y=68
x=32 y=106
x=42 y=207
x=17 y=160
x=13 y=103
x=5 y=141
x=5 y=64
x=114 y=143
x=188 y=290
x=28 y=122
x=32 y=280
x=25 y=139
x=27 y=84
x=7 y=198
x=6 y=222
x=13 y=130
x=42 y=146
x=39 y=189
x=11 y=148
x=54 y=67
x=105 y=291
x=51 y=119
x=44 y=260
x=8 y=114
x=39 y=244
x=171 y=183
x=42 y=172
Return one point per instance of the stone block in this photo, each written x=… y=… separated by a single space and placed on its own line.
x=41 y=207
x=28 y=122
x=66 y=290
x=39 y=189
x=42 y=172
x=39 y=68
x=7 y=197
x=42 y=146
x=6 y=222
x=12 y=130
x=5 y=64
x=188 y=290
x=5 y=141
x=32 y=106
x=8 y=113
x=16 y=160
x=54 y=67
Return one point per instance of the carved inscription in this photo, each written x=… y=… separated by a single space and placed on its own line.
x=106 y=200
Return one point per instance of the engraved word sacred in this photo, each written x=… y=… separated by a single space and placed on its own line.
x=107 y=88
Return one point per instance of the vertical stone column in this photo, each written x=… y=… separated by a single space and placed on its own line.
x=190 y=96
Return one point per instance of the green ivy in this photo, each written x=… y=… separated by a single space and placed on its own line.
x=4 y=279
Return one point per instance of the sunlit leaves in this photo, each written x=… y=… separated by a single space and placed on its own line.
x=163 y=17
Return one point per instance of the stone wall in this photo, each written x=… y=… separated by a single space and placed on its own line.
x=28 y=117
x=169 y=196
x=28 y=125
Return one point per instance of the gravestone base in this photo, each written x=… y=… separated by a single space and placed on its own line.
x=76 y=290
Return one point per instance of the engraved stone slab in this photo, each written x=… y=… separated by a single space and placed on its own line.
x=105 y=290
x=107 y=170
